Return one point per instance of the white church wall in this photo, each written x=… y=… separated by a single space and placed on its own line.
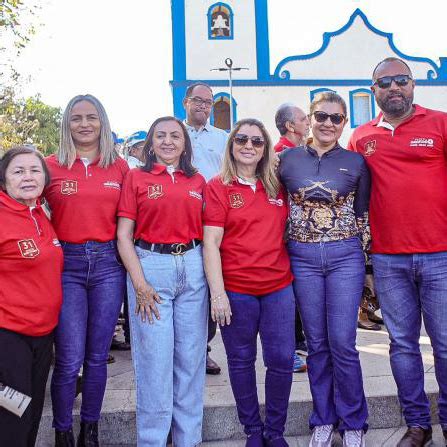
x=203 y=54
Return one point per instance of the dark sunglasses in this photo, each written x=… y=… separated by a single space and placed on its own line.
x=242 y=140
x=321 y=117
x=400 y=80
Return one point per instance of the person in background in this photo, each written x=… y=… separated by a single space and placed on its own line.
x=133 y=149
x=31 y=263
x=405 y=147
x=208 y=146
x=248 y=272
x=328 y=238
x=160 y=242
x=293 y=126
x=87 y=175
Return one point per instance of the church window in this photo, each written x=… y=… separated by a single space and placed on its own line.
x=220 y=21
x=361 y=103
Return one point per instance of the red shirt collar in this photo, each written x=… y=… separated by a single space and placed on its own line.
x=13 y=204
x=285 y=142
x=158 y=169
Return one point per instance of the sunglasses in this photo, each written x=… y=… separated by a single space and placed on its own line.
x=400 y=80
x=242 y=140
x=321 y=117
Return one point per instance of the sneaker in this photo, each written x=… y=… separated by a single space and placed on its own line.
x=301 y=348
x=322 y=436
x=353 y=438
x=299 y=365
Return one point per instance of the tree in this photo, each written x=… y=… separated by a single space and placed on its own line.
x=28 y=121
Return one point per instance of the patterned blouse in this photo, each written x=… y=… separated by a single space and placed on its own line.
x=328 y=195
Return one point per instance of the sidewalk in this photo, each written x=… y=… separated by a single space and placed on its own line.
x=117 y=425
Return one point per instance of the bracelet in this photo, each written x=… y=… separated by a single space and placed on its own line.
x=213 y=299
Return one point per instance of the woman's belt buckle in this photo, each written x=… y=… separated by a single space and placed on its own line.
x=178 y=249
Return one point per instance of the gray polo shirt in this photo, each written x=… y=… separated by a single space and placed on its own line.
x=208 y=147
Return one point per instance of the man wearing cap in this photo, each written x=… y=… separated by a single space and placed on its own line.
x=405 y=148
x=208 y=145
x=133 y=149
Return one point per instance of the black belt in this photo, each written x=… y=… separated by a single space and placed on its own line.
x=168 y=249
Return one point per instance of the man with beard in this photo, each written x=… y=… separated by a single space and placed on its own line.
x=208 y=146
x=405 y=148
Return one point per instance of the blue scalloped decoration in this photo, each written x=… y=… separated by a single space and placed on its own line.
x=436 y=74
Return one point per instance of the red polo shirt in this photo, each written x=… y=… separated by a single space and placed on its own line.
x=31 y=264
x=253 y=252
x=167 y=209
x=282 y=144
x=84 y=199
x=408 y=208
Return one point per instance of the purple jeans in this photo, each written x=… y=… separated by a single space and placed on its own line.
x=273 y=317
x=93 y=283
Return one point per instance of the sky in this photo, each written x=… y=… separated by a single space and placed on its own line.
x=121 y=52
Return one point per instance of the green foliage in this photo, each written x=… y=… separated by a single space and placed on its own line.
x=28 y=121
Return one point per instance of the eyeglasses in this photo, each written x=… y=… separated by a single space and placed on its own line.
x=400 y=80
x=200 y=102
x=242 y=140
x=321 y=117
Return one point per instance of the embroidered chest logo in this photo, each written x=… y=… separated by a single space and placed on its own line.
x=28 y=248
x=69 y=187
x=195 y=194
x=277 y=202
x=155 y=191
x=422 y=142
x=236 y=200
x=112 y=184
x=370 y=148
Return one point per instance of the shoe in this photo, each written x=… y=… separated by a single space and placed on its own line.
x=119 y=345
x=301 y=348
x=364 y=323
x=354 y=438
x=88 y=436
x=110 y=359
x=322 y=436
x=374 y=318
x=211 y=366
x=299 y=365
x=254 y=440
x=64 y=438
x=277 y=442
x=416 y=437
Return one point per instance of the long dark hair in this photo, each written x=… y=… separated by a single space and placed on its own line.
x=185 y=163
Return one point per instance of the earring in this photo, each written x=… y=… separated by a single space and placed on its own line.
x=151 y=152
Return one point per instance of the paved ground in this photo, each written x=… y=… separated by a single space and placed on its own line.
x=379 y=387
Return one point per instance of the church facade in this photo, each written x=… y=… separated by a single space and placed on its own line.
x=205 y=33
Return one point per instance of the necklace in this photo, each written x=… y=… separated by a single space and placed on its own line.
x=251 y=180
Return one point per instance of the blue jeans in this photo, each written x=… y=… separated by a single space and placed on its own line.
x=169 y=355
x=408 y=286
x=273 y=317
x=329 y=278
x=93 y=284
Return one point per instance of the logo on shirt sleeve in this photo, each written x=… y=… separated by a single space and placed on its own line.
x=69 y=187
x=112 y=184
x=236 y=200
x=277 y=202
x=370 y=148
x=155 y=191
x=28 y=248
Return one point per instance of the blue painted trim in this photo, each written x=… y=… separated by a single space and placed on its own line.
x=319 y=90
x=351 y=105
x=226 y=95
x=300 y=82
x=178 y=93
x=262 y=40
x=436 y=73
x=178 y=39
x=210 y=23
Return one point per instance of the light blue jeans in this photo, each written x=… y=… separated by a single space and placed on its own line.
x=169 y=355
x=410 y=287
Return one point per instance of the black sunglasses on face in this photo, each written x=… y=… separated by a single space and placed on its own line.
x=321 y=117
x=242 y=140
x=386 y=81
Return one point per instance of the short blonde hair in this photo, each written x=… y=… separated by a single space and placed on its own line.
x=66 y=153
x=265 y=169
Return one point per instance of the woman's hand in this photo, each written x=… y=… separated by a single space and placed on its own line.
x=221 y=309
x=147 y=298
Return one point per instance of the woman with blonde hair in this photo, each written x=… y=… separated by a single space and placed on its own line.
x=87 y=175
x=248 y=272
